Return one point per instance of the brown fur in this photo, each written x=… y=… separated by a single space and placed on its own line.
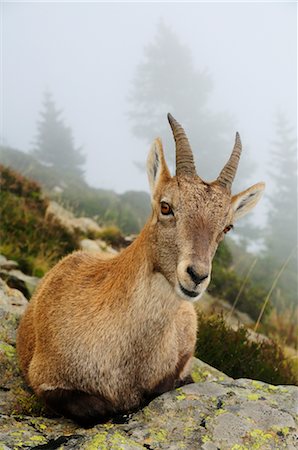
x=104 y=336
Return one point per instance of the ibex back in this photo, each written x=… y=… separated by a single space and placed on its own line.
x=102 y=337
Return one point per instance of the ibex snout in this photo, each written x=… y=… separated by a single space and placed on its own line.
x=196 y=277
x=193 y=279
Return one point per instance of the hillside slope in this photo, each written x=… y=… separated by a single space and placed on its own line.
x=128 y=211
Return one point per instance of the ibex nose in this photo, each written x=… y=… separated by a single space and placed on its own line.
x=195 y=276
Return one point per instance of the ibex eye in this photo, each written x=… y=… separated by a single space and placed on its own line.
x=165 y=209
x=228 y=228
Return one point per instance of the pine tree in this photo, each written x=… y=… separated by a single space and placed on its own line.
x=282 y=217
x=168 y=81
x=281 y=238
x=54 y=143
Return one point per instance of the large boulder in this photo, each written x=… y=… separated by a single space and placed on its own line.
x=215 y=412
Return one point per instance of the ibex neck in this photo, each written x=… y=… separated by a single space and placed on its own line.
x=152 y=295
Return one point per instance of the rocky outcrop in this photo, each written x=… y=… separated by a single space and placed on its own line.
x=215 y=412
x=15 y=279
x=85 y=225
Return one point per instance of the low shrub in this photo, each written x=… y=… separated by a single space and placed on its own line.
x=234 y=354
x=113 y=236
x=226 y=284
x=25 y=235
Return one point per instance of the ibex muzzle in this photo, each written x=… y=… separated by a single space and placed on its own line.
x=103 y=336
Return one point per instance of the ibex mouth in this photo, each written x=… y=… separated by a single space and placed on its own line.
x=187 y=292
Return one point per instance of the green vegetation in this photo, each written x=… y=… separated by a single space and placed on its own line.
x=128 y=211
x=113 y=236
x=226 y=284
x=25 y=236
x=234 y=354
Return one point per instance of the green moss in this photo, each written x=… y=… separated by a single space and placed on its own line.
x=27 y=404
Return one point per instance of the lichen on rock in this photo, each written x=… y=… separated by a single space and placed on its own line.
x=214 y=412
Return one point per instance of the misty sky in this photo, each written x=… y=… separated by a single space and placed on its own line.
x=86 y=54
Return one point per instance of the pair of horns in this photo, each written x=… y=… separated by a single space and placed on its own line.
x=185 y=161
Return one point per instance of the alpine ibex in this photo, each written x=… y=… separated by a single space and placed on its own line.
x=102 y=337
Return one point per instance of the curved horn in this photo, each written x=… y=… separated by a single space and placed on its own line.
x=228 y=173
x=184 y=158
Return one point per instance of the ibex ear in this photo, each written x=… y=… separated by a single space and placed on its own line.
x=157 y=168
x=242 y=203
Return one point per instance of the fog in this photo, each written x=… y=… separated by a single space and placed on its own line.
x=87 y=55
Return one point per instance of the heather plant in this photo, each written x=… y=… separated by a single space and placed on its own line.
x=226 y=284
x=25 y=235
x=235 y=354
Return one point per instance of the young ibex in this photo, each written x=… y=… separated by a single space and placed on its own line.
x=102 y=337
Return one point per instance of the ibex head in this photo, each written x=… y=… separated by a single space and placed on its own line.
x=190 y=216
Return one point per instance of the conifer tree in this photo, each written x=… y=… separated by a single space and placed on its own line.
x=279 y=264
x=282 y=217
x=54 y=143
x=168 y=81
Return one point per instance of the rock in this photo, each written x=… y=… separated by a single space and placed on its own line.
x=215 y=412
x=11 y=300
x=7 y=264
x=84 y=225
x=97 y=246
x=18 y=280
x=88 y=245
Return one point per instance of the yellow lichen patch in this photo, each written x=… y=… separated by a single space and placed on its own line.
x=253 y=397
x=199 y=375
x=239 y=447
x=271 y=387
x=38 y=425
x=108 y=425
x=181 y=395
x=8 y=350
x=282 y=430
x=158 y=435
x=258 y=438
x=220 y=411
x=206 y=438
x=257 y=384
x=38 y=438
x=118 y=441
x=99 y=442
